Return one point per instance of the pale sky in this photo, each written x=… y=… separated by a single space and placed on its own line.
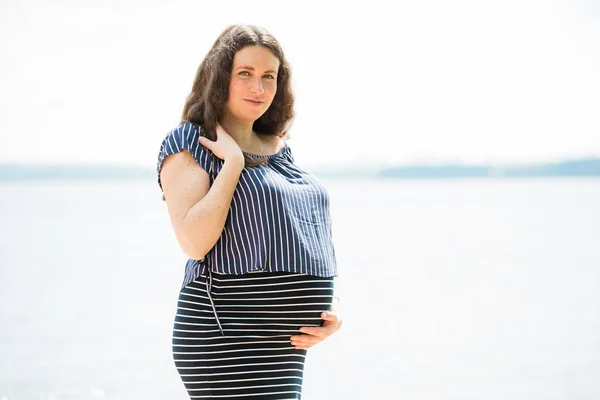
x=376 y=82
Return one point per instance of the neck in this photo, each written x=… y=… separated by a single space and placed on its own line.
x=240 y=131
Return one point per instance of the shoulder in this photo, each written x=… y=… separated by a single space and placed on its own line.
x=184 y=137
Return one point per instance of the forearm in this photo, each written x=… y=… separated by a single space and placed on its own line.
x=204 y=222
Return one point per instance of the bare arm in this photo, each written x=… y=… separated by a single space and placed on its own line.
x=197 y=210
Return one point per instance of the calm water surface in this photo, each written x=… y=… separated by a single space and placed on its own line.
x=460 y=289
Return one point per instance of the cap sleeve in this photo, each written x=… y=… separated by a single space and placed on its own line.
x=185 y=136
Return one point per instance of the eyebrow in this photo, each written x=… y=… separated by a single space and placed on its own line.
x=252 y=69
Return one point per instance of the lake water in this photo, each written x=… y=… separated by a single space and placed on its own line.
x=450 y=289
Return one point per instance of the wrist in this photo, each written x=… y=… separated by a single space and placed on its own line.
x=237 y=162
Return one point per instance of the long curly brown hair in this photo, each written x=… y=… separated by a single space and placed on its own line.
x=206 y=102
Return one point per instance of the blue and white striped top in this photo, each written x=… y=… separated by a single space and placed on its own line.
x=278 y=219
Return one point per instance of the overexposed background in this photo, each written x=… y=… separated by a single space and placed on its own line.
x=377 y=82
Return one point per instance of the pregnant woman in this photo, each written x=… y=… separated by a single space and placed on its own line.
x=258 y=289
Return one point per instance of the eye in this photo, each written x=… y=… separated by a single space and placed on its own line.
x=269 y=76
x=244 y=73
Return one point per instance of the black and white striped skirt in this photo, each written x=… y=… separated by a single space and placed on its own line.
x=241 y=348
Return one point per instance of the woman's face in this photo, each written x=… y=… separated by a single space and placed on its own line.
x=253 y=83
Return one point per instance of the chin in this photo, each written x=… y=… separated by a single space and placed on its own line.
x=252 y=116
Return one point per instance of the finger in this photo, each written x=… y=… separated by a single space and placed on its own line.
x=329 y=315
x=206 y=142
x=307 y=340
x=305 y=345
x=315 y=331
x=220 y=130
x=302 y=339
x=298 y=338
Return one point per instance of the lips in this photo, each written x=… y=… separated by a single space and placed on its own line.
x=254 y=101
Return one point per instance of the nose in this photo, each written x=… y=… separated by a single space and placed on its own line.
x=256 y=86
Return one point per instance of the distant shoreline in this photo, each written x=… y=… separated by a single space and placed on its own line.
x=570 y=168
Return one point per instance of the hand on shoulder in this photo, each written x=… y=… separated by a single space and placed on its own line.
x=224 y=147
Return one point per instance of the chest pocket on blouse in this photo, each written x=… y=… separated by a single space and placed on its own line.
x=311 y=208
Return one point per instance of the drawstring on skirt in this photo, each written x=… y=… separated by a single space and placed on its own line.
x=212 y=303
